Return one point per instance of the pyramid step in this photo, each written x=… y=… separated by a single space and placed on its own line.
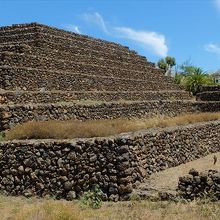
x=93 y=66
x=47 y=47
x=102 y=59
x=65 y=42
x=16 y=97
x=13 y=77
x=10 y=115
x=44 y=29
x=208 y=96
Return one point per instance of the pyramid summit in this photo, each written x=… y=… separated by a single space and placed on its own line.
x=41 y=47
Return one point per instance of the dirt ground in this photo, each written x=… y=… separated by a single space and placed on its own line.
x=167 y=180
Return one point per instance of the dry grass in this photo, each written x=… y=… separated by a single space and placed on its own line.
x=99 y=128
x=19 y=208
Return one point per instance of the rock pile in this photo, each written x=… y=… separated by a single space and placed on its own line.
x=200 y=184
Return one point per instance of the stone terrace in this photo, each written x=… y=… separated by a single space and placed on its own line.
x=44 y=66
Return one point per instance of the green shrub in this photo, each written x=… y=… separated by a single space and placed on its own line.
x=92 y=198
x=2 y=135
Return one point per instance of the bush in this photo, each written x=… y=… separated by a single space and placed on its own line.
x=92 y=198
x=2 y=136
x=192 y=77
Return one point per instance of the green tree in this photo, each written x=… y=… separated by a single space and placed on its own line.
x=162 y=64
x=167 y=64
x=193 y=77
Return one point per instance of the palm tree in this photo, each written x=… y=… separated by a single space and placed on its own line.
x=195 y=77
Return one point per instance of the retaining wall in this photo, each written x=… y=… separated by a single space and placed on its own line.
x=22 y=78
x=11 y=115
x=208 y=96
x=66 y=42
x=83 y=55
x=209 y=88
x=200 y=185
x=83 y=64
x=118 y=164
x=18 y=97
x=51 y=49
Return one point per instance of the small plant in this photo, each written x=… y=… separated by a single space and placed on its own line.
x=2 y=135
x=92 y=198
x=134 y=199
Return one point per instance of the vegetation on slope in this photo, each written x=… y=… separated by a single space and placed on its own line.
x=166 y=64
x=1 y=136
x=99 y=128
x=192 y=77
x=189 y=76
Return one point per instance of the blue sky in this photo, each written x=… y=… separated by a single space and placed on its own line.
x=185 y=29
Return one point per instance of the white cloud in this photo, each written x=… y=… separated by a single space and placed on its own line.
x=150 y=40
x=95 y=18
x=212 y=48
x=217 y=4
x=73 y=28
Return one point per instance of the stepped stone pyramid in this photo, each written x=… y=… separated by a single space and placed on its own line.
x=48 y=73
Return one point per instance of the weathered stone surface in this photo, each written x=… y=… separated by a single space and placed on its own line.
x=68 y=185
x=33 y=64
x=71 y=195
x=23 y=113
x=204 y=184
x=33 y=61
x=117 y=164
x=193 y=172
x=8 y=97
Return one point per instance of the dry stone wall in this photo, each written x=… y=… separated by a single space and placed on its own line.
x=10 y=115
x=209 y=88
x=34 y=79
x=67 y=168
x=57 y=51
x=41 y=66
x=18 y=97
x=83 y=65
x=208 y=96
x=206 y=106
x=170 y=147
x=200 y=185
x=209 y=93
